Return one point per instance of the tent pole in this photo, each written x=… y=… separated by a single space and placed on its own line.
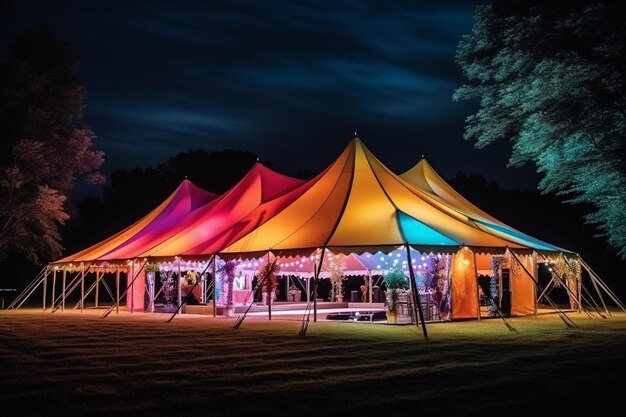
x=214 y=288
x=477 y=286
x=54 y=284
x=595 y=286
x=106 y=287
x=28 y=291
x=369 y=286
x=568 y=322
x=180 y=288
x=308 y=287
x=315 y=280
x=45 y=285
x=602 y=285
x=180 y=306
x=82 y=288
x=74 y=283
x=546 y=289
x=414 y=291
x=269 y=292
x=579 y=296
x=117 y=290
x=536 y=275
x=97 y=288
x=571 y=293
x=129 y=284
x=63 y=290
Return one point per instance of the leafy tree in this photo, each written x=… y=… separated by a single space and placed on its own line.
x=550 y=78
x=44 y=146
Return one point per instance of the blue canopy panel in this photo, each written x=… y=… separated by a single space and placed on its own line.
x=516 y=236
x=417 y=233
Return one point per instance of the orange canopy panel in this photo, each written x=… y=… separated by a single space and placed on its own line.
x=424 y=177
x=359 y=205
x=256 y=198
x=184 y=200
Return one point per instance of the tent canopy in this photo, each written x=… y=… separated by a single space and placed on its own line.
x=424 y=177
x=185 y=199
x=355 y=205
x=360 y=205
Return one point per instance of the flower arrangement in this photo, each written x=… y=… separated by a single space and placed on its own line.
x=188 y=285
x=190 y=278
x=337 y=266
x=395 y=280
x=168 y=287
x=268 y=275
x=226 y=270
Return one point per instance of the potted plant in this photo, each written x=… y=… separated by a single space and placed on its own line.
x=395 y=280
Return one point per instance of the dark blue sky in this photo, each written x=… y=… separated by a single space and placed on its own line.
x=290 y=81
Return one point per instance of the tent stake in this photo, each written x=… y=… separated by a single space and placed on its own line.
x=415 y=293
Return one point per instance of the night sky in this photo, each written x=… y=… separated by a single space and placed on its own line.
x=289 y=81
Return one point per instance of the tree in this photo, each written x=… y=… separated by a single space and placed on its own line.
x=550 y=78
x=44 y=147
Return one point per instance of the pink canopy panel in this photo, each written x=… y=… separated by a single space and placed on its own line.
x=261 y=193
x=184 y=200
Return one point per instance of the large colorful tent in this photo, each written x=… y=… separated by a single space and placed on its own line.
x=357 y=206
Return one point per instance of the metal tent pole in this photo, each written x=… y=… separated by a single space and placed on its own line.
x=568 y=321
x=97 y=288
x=180 y=288
x=214 y=287
x=82 y=288
x=63 y=292
x=477 y=286
x=415 y=293
x=117 y=290
x=269 y=291
x=315 y=281
x=54 y=284
x=45 y=285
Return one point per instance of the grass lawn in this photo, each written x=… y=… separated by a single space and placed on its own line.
x=71 y=364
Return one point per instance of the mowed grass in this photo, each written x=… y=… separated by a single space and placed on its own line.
x=72 y=364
